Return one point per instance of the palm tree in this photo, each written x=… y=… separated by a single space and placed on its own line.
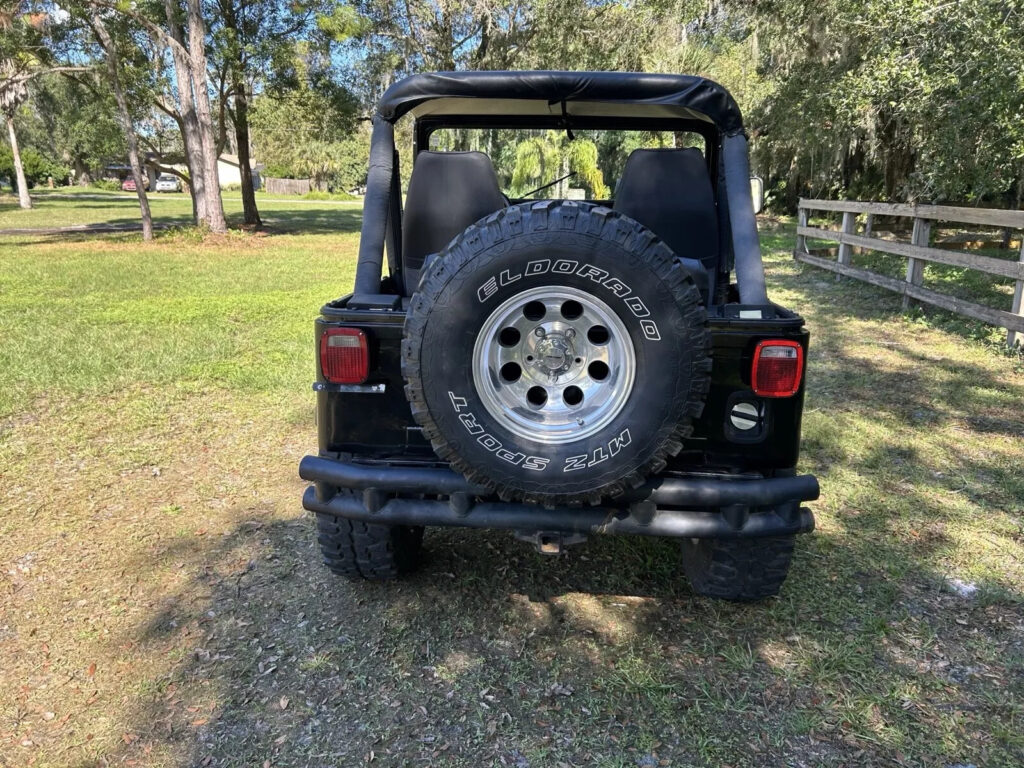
x=13 y=93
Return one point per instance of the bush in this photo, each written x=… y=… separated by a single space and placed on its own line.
x=37 y=167
x=231 y=188
x=107 y=185
x=318 y=195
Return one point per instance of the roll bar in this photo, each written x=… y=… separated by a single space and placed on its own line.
x=377 y=204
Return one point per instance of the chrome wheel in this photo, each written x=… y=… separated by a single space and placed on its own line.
x=554 y=364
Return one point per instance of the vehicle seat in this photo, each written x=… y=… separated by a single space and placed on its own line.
x=448 y=191
x=669 y=192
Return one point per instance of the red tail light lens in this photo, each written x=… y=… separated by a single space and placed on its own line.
x=344 y=358
x=778 y=368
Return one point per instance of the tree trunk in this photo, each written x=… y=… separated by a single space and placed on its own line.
x=235 y=68
x=252 y=214
x=193 y=145
x=83 y=177
x=19 y=170
x=124 y=117
x=197 y=56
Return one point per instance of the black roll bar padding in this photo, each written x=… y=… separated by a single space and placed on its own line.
x=675 y=523
x=746 y=246
x=669 y=491
x=393 y=236
x=376 y=207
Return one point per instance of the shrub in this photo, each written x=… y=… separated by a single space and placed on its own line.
x=107 y=185
x=37 y=167
x=318 y=195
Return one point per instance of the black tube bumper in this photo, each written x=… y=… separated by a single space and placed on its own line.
x=686 y=507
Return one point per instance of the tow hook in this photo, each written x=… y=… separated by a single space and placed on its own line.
x=550 y=542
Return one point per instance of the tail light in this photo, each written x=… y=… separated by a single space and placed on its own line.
x=778 y=368
x=344 y=358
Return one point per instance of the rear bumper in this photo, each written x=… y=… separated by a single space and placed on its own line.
x=686 y=507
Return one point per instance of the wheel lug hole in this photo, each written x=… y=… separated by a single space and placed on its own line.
x=572 y=395
x=539 y=332
x=534 y=311
x=572 y=310
x=511 y=372
x=598 y=370
x=537 y=396
x=508 y=337
x=598 y=334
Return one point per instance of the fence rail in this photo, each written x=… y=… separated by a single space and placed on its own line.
x=917 y=252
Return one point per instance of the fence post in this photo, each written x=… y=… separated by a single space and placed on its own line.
x=801 y=221
x=1014 y=337
x=915 y=267
x=869 y=224
x=849 y=228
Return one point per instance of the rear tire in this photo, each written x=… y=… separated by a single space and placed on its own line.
x=534 y=367
x=741 y=570
x=367 y=550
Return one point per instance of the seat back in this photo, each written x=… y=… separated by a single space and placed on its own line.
x=448 y=191
x=669 y=192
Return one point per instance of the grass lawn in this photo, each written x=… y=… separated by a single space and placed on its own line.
x=163 y=604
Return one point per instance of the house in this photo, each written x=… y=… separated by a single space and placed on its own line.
x=229 y=172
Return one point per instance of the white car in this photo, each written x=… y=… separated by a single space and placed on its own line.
x=165 y=182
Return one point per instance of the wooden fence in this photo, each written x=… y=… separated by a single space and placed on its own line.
x=917 y=252
x=287 y=186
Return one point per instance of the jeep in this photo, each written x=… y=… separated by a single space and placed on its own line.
x=554 y=362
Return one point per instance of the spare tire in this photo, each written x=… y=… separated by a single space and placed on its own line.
x=556 y=352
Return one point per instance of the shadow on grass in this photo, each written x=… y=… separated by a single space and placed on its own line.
x=322 y=220
x=494 y=655
x=309 y=219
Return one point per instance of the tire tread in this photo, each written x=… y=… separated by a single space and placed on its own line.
x=740 y=570
x=369 y=551
x=584 y=218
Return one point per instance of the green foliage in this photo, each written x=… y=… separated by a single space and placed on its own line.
x=107 y=185
x=38 y=168
x=542 y=159
x=341 y=22
x=893 y=99
x=308 y=131
x=74 y=119
x=338 y=196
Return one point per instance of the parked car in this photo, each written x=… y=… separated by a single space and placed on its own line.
x=561 y=368
x=128 y=185
x=167 y=182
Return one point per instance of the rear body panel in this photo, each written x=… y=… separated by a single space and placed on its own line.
x=373 y=421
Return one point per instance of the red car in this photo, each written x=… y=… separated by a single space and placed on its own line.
x=128 y=185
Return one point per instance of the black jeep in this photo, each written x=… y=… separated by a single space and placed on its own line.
x=568 y=365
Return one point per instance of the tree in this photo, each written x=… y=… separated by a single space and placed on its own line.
x=543 y=159
x=180 y=31
x=28 y=50
x=304 y=124
x=111 y=57
x=900 y=100
x=253 y=46
x=76 y=124
x=19 y=63
x=14 y=91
